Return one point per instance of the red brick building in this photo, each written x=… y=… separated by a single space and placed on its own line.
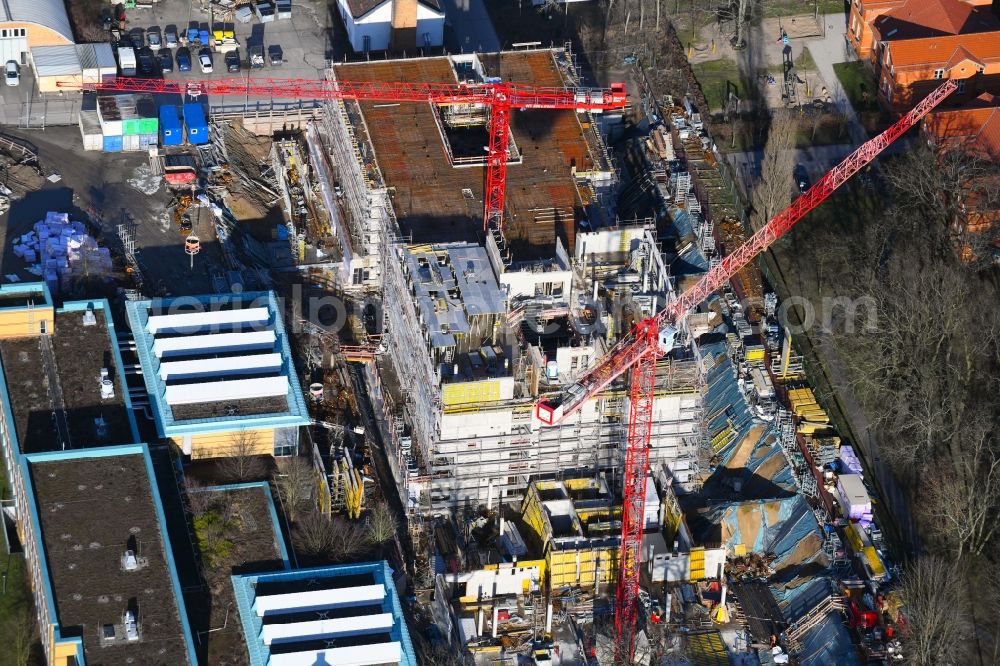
x=913 y=44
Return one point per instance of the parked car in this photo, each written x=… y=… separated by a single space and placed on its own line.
x=170 y=36
x=138 y=37
x=147 y=61
x=153 y=37
x=12 y=73
x=275 y=56
x=166 y=59
x=183 y=59
x=233 y=61
x=205 y=60
x=801 y=178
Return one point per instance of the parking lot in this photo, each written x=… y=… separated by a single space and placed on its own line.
x=307 y=40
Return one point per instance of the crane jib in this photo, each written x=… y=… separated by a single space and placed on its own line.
x=552 y=409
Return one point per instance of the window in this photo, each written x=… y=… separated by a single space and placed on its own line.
x=3 y=33
x=367 y=43
x=961 y=87
x=938 y=73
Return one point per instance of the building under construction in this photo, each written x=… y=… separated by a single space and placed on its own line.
x=489 y=321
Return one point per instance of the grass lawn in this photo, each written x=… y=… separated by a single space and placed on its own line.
x=805 y=60
x=17 y=611
x=712 y=75
x=859 y=86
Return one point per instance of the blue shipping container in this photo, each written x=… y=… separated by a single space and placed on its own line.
x=113 y=143
x=170 y=126
x=194 y=122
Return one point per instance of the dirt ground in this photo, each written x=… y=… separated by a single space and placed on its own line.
x=714 y=44
x=94 y=185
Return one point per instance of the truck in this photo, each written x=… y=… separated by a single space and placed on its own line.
x=255 y=55
x=126 y=60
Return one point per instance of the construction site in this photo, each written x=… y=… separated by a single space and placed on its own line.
x=521 y=312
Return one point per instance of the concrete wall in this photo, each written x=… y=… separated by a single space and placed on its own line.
x=377 y=26
x=23 y=323
x=221 y=444
x=527 y=283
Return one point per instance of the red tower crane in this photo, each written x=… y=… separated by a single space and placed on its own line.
x=501 y=98
x=653 y=337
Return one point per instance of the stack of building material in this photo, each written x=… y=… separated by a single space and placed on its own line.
x=61 y=252
x=812 y=417
x=849 y=460
x=824 y=450
x=854 y=500
x=128 y=122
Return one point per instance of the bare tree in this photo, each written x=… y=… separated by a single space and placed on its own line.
x=242 y=461
x=938 y=625
x=198 y=500
x=773 y=191
x=311 y=534
x=296 y=484
x=962 y=505
x=24 y=635
x=441 y=655
x=328 y=539
x=381 y=524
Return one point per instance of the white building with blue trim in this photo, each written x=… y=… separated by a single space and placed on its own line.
x=218 y=369
x=346 y=615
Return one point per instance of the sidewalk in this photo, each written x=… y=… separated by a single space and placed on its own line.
x=827 y=51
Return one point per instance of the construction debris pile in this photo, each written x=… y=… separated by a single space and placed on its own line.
x=247 y=157
x=748 y=282
x=61 y=252
x=751 y=566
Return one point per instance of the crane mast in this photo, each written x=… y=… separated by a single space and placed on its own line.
x=653 y=337
x=501 y=98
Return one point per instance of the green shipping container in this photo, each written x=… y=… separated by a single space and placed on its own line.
x=131 y=126
x=149 y=126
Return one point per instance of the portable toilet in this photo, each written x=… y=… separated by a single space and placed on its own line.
x=194 y=122
x=171 y=132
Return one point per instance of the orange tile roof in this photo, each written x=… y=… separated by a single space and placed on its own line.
x=976 y=124
x=931 y=18
x=983 y=48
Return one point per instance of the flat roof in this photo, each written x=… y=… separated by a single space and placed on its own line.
x=90 y=508
x=432 y=198
x=54 y=385
x=452 y=283
x=257 y=545
x=216 y=363
x=347 y=614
